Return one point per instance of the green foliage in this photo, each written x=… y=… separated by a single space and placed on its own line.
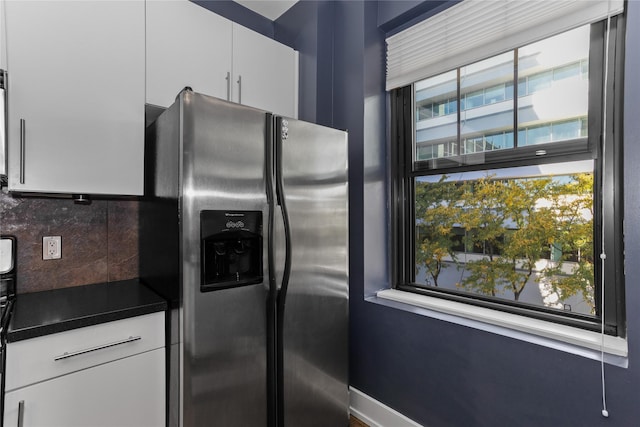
x=517 y=222
x=483 y=214
x=436 y=212
x=534 y=229
x=575 y=237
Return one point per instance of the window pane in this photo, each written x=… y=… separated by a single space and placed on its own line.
x=473 y=99
x=538 y=134
x=539 y=81
x=569 y=129
x=494 y=94
x=520 y=234
x=522 y=86
x=452 y=106
x=437 y=130
x=424 y=111
x=499 y=141
x=488 y=110
x=557 y=87
x=566 y=72
x=508 y=90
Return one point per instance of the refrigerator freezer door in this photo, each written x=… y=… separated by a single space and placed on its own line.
x=315 y=321
x=224 y=331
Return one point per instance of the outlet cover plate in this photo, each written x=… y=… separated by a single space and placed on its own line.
x=51 y=247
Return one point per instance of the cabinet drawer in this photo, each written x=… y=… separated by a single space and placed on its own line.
x=50 y=356
x=129 y=392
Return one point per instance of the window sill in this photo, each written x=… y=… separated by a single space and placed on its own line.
x=560 y=337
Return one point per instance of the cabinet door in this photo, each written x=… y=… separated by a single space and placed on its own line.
x=265 y=73
x=76 y=96
x=127 y=392
x=187 y=45
x=3 y=46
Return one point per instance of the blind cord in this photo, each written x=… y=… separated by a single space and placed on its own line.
x=603 y=255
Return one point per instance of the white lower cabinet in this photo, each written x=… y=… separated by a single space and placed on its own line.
x=126 y=392
x=108 y=375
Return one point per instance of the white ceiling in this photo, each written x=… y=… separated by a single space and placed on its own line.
x=271 y=9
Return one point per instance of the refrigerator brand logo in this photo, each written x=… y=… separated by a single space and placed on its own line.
x=285 y=129
x=237 y=224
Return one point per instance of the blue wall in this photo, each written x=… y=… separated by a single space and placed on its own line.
x=437 y=373
x=308 y=28
x=240 y=14
x=394 y=16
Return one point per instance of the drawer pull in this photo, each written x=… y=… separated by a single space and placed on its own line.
x=23 y=149
x=21 y=413
x=100 y=347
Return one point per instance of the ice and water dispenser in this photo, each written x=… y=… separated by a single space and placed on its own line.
x=231 y=249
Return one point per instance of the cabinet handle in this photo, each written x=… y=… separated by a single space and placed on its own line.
x=228 y=78
x=21 y=413
x=100 y=347
x=23 y=141
x=239 y=89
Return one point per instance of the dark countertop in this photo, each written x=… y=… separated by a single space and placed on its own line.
x=43 y=313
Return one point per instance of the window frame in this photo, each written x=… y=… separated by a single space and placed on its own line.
x=607 y=182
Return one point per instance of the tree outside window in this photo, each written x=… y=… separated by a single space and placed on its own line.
x=534 y=232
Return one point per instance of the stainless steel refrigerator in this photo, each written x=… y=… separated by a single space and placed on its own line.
x=243 y=227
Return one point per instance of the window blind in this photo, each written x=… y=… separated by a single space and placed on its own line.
x=477 y=29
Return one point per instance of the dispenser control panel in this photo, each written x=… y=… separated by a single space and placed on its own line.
x=231 y=249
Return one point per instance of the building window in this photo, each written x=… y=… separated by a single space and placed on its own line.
x=504 y=201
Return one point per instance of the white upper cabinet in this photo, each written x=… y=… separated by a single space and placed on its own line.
x=3 y=46
x=76 y=96
x=265 y=73
x=186 y=46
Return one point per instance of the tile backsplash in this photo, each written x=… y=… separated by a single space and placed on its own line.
x=99 y=240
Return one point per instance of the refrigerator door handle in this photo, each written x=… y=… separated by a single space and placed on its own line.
x=270 y=188
x=273 y=358
x=280 y=134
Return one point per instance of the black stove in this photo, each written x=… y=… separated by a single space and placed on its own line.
x=7 y=297
x=6 y=306
x=7 y=280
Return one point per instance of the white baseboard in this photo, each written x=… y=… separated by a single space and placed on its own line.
x=374 y=413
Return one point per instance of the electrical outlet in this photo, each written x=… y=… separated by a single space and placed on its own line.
x=51 y=247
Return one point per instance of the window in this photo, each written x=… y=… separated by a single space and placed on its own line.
x=503 y=202
x=519 y=228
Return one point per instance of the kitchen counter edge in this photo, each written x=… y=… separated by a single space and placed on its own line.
x=49 y=312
